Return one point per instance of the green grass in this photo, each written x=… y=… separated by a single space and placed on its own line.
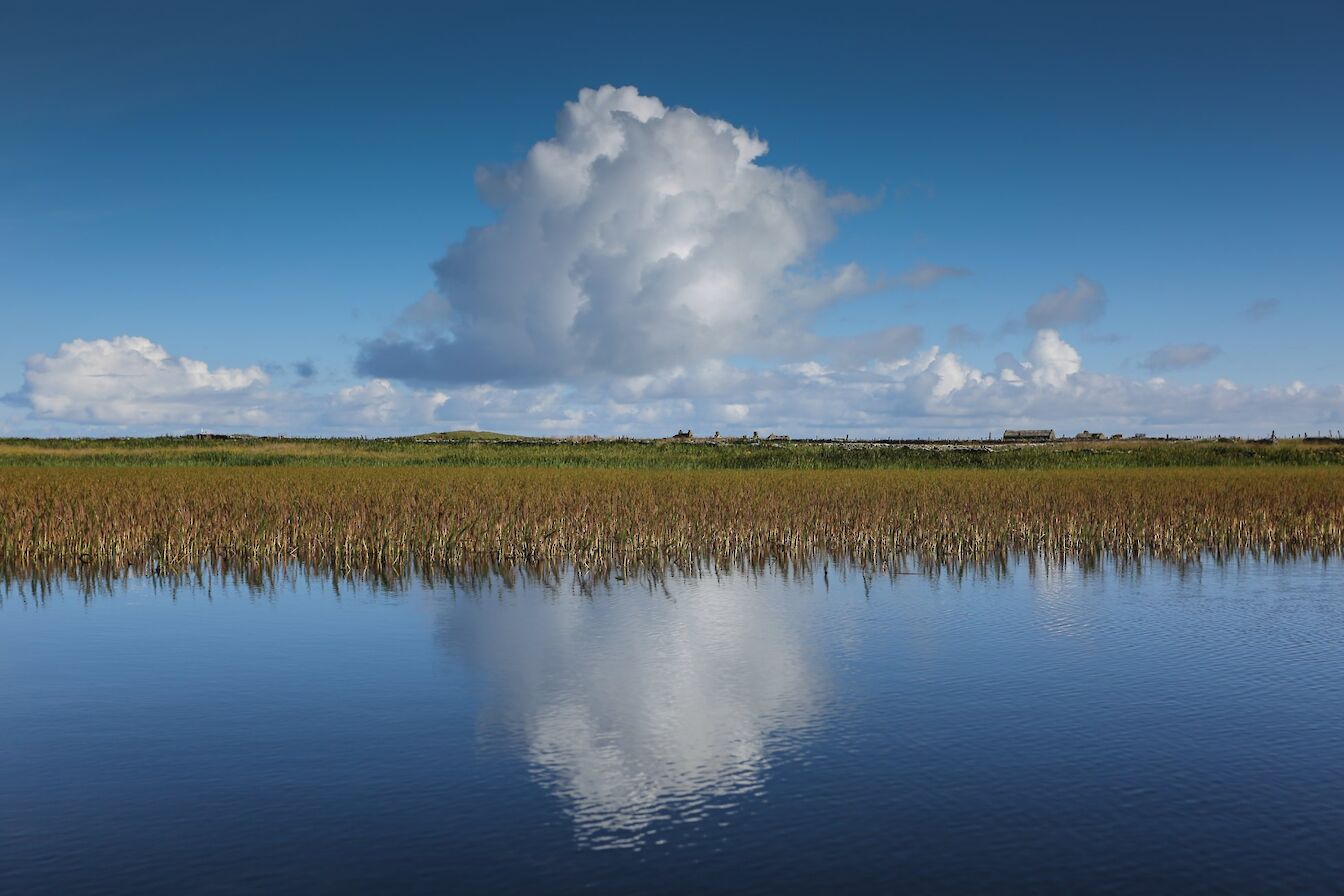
x=471 y=449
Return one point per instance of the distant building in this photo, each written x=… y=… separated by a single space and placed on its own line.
x=684 y=434
x=1086 y=436
x=1028 y=435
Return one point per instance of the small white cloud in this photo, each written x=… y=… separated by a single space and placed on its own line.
x=810 y=369
x=1052 y=359
x=130 y=380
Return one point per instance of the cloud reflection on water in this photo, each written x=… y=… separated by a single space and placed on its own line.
x=643 y=709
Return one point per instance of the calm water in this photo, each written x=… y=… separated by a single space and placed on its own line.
x=1052 y=732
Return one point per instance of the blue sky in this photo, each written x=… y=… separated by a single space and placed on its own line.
x=268 y=186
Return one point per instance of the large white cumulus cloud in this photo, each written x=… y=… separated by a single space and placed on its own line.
x=638 y=238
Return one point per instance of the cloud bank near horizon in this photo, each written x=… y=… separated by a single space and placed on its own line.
x=647 y=271
x=130 y=384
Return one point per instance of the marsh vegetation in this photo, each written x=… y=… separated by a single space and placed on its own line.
x=358 y=508
x=495 y=450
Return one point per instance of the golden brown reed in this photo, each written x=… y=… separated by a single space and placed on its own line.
x=371 y=520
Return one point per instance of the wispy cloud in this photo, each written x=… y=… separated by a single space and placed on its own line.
x=1262 y=309
x=1174 y=357
x=1084 y=303
x=963 y=334
x=924 y=275
x=852 y=203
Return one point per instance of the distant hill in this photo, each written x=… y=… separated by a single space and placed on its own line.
x=462 y=435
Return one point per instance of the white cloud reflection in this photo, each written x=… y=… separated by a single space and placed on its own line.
x=641 y=710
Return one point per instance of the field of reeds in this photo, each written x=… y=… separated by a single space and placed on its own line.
x=93 y=521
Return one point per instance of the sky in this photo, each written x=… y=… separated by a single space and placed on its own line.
x=884 y=220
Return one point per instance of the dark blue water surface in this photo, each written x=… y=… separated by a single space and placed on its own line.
x=1048 y=731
